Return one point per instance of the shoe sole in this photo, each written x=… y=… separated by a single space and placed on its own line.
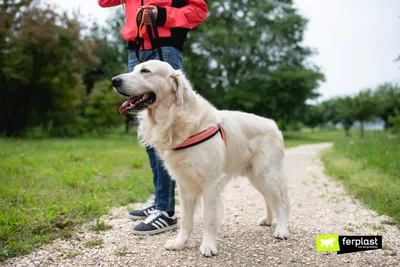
x=157 y=231
x=136 y=218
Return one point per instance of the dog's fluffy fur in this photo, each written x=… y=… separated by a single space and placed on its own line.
x=254 y=148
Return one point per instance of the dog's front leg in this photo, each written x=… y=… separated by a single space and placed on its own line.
x=212 y=214
x=188 y=205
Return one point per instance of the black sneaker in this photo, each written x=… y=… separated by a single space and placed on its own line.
x=141 y=214
x=157 y=222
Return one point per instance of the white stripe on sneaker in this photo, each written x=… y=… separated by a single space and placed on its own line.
x=154 y=215
x=159 y=224
x=155 y=225
x=164 y=222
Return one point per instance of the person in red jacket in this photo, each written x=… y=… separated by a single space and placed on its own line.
x=173 y=19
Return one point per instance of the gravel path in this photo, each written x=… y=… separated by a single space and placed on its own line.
x=320 y=206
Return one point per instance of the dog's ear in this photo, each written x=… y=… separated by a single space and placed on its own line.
x=177 y=88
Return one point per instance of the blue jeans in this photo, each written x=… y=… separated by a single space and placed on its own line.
x=163 y=184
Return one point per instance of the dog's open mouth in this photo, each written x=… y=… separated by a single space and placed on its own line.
x=138 y=103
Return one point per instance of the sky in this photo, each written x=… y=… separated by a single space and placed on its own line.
x=357 y=41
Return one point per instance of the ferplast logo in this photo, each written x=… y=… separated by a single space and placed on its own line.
x=327 y=243
x=347 y=244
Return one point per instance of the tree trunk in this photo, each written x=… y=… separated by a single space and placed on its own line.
x=362 y=129
x=387 y=125
x=347 y=130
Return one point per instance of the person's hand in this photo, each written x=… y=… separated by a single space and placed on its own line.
x=153 y=9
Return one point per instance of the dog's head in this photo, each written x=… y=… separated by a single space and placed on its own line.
x=151 y=83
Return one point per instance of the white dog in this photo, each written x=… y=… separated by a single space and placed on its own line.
x=246 y=145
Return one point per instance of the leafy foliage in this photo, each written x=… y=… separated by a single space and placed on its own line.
x=248 y=56
x=43 y=56
x=382 y=102
x=101 y=112
x=109 y=47
x=395 y=122
x=388 y=96
x=314 y=116
x=345 y=113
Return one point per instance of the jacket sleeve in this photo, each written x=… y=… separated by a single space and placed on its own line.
x=109 y=3
x=189 y=16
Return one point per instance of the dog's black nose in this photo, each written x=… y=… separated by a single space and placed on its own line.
x=116 y=81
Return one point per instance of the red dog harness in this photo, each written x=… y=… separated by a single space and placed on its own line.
x=202 y=136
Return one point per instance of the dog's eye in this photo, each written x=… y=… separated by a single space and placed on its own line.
x=144 y=71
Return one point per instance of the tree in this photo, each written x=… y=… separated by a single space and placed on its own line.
x=248 y=55
x=364 y=106
x=345 y=112
x=395 y=121
x=388 y=96
x=314 y=116
x=42 y=60
x=330 y=109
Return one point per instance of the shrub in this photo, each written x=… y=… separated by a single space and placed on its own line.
x=395 y=122
x=101 y=113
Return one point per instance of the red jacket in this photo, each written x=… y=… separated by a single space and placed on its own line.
x=175 y=18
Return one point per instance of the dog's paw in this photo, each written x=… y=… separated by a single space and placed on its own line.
x=281 y=233
x=174 y=244
x=264 y=221
x=208 y=250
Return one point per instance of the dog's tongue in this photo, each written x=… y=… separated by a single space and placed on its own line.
x=124 y=106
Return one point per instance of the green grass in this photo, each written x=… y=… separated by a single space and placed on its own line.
x=99 y=226
x=94 y=243
x=370 y=170
x=47 y=187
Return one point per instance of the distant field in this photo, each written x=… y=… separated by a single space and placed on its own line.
x=308 y=137
x=370 y=170
x=48 y=186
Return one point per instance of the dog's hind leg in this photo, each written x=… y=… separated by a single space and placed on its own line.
x=268 y=184
x=188 y=200
x=268 y=218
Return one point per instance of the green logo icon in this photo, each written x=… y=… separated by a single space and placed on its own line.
x=327 y=243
